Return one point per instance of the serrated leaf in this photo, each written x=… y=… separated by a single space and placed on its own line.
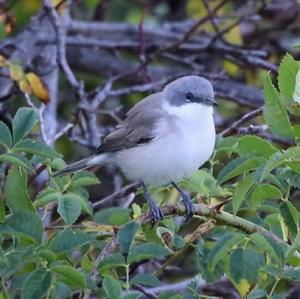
x=23 y=123
x=268 y=245
x=112 y=288
x=5 y=135
x=292 y=178
x=204 y=183
x=112 y=261
x=25 y=223
x=145 y=279
x=16 y=159
x=35 y=147
x=112 y=216
x=293 y=274
x=287 y=72
x=222 y=248
x=69 y=207
x=240 y=193
x=68 y=240
x=17 y=198
x=227 y=144
x=70 y=276
x=37 y=284
x=292 y=154
x=46 y=196
x=146 y=251
x=274 y=113
x=290 y=216
x=39 y=88
x=84 y=178
x=264 y=192
x=126 y=236
x=244 y=273
x=288 y=81
x=255 y=145
x=238 y=166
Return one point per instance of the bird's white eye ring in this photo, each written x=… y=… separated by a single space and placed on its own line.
x=189 y=97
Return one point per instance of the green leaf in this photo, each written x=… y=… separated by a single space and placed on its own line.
x=69 y=239
x=70 y=276
x=112 y=216
x=238 y=166
x=287 y=76
x=295 y=245
x=145 y=279
x=257 y=293
x=228 y=144
x=244 y=273
x=204 y=183
x=274 y=113
x=17 y=160
x=264 y=192
x=256 y=145
x=112 y=288
x=293 y=274
x=240 y=193
x=292 y=154
x=25 y=223
x=84 y=178
x=17 y=198
x=69 y=207
x=2 y=208
x=146 y=251
x=133 y=295
x=5 y=135
x=23 y=123
x=112 y=261
x=37 y=284
x=290 y=216
x=61 y=291
x=126 y=236
x=47 y=195
x=35 y=147
x=222 y=248
x=268 y=245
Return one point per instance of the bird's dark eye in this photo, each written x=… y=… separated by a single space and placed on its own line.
x=189 y=97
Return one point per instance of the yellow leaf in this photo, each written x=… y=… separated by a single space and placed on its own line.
x=25 y=86
x=3 y=61
x=16 y=72
x=243 y=287
x=39 y=88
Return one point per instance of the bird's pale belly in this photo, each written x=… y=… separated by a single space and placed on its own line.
x=160 y=162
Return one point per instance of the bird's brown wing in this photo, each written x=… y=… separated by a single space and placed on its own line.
x=138 y=126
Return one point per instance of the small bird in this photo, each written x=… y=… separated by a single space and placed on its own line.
x=164 y=138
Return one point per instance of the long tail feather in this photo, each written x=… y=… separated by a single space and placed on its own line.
x=74 y=167
x=96 y=160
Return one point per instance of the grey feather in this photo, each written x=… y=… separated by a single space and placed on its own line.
x=138 y=126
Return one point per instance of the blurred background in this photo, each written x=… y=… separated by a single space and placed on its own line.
x=103 y=56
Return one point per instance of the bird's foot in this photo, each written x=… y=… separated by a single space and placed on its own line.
x=189 y=206
x=156 y=213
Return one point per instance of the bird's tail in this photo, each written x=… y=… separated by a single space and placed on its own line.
x=96 y=160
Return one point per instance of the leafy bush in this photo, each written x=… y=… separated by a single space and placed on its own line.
x=254 y=240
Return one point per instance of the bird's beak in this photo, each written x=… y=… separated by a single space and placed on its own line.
x=210 y=102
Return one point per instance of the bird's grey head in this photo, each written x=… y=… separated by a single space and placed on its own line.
x=190 y=89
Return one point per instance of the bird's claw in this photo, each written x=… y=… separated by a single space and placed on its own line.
x=156 y=214
x=189 y=207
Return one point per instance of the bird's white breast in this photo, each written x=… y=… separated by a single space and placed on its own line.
x=184 y=140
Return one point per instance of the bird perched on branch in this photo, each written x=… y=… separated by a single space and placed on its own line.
x=164 y=138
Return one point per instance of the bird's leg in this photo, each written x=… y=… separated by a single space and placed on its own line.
x=190 y=209
x=154 y=209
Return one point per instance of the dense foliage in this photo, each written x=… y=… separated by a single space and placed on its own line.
x=66 y=81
